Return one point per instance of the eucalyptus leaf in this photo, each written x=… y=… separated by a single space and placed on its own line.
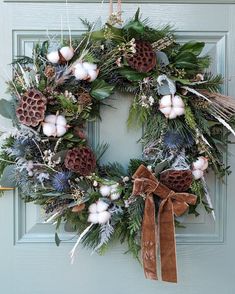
x=8 y=176
x=101 y=90
x=7 y=109
x=57 y=239
x=162 y=58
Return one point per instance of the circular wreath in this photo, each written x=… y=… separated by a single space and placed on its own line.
x=62 y=87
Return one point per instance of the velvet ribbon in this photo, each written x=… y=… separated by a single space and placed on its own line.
x=172 y=203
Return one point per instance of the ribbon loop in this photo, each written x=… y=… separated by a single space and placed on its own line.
x=172 y=203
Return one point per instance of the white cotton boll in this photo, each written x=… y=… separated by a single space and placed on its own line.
x=67 y=52
x=105 y=190
x=101 y=206
x=49 y=129
x=92 y=75
x=165 y=101
x=30 y=173
x=166 y=110
x=115 y=195
x=199 y=163
x=80 y=72
x=178 y=110
x=93 y=218
x=197 y=174
x=103 y=217
x=205 y=165
x=177 y=101
x=51 y=118
x=90 y=66
x=53 y=57
x=92 y=208
x=172 y=114
x=61 y=120
x=60 y=130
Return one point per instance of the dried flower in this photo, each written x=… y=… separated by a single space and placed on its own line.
x=60 y=181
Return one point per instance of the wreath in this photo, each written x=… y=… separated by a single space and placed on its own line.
x=48 y=156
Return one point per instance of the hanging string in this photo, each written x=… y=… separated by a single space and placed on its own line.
x=110 y=7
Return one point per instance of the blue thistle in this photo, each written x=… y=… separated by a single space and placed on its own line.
x=60 y=181
x=175 y=140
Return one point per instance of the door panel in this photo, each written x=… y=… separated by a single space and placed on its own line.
x=28 y=254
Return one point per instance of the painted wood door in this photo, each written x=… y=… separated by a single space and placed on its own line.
x=30 y=263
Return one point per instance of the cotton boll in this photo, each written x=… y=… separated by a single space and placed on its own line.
x=93 y=218
x=61 y=120
x=49 y=129
x=92 y=75
x=53 y=57
x=80 y=72
x=67 y=52
x=177 y=101
x=172 y=114
x=165 y=101
x=197 y=174
x=92 y=208
x=199 y=163
x=51 y=118
x=178 y=110
x=115 y=195
x=60 y=130
x=166 y=111
x=205 y=165
x=101 y=206
x=105 y=190
x=90 y=66
x=103 y=217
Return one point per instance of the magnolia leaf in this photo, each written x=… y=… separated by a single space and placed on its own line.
x=131 y=74
x=8 y=177
x=193 y=47
x=101 y=90
x=7 y=109
x=186 y=60
x=57 y=239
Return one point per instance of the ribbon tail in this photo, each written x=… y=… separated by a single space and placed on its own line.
x=148 y=240
x=167 y=242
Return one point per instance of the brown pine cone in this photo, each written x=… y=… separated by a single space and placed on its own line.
x=80 y=160
x=177 y=180
x=144 y=59
x=31 y=108
x=84 y=99
x=49 y=71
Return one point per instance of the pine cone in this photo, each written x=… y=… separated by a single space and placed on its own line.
x=177 y=180
x=144 y=59
x=84 y=99
x=49 y=71
x=32 y=107
x=80 y=160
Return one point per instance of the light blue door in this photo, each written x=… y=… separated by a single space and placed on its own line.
x=30 y=263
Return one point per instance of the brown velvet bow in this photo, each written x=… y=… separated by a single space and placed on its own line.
x=172 y=203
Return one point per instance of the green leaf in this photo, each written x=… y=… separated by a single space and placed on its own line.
x=57 y=239
x=8 y=177
x=101 y=90
x=98 y=35
x=7 y=109
x=186 y=60
x=131 y=74
x=193 y=47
